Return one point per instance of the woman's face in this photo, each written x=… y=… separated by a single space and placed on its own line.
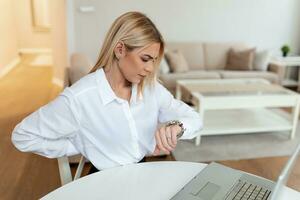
x=135 y=65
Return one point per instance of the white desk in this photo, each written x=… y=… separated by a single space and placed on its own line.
x=152 y=180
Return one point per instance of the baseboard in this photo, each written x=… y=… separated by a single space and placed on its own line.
x=58 y=82
x=7 y=68
x=35 y=50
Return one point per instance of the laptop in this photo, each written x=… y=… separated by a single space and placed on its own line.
x=216 y=182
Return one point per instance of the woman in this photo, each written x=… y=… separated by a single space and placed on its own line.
x=118 y=113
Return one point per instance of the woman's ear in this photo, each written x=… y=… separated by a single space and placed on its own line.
x=120 y=50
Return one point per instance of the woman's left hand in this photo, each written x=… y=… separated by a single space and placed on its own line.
x=166 y=139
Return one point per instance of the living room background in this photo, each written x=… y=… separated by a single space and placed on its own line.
x=265 y=24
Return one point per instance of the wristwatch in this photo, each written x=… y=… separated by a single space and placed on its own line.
x=179 y=123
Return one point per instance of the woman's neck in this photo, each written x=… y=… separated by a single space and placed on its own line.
x=116 y=79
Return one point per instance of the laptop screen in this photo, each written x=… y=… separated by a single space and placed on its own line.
x=284 y=175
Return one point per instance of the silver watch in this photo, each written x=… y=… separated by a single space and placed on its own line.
x=179 y=123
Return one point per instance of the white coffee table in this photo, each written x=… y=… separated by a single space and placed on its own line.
x=235 y=106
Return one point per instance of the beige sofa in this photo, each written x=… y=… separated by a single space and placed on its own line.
x=208 y=61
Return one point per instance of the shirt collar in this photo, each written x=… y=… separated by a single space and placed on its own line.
x=107 y=94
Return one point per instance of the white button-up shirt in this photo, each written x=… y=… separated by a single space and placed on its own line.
x=88 y=118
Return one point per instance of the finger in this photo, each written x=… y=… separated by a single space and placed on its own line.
x=169 y=136
x=159 y=142
x=174 y=136
x=156 y=150
x=162 y=133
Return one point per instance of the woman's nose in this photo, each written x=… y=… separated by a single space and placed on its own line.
x=149 y=68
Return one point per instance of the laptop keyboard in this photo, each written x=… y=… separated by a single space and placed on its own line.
x=245 y=190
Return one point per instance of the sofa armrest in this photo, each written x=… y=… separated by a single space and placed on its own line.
x=67 y=81
x=277 y=68
x=80 y=65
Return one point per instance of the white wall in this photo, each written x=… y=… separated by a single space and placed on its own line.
x=59 y=39
x=28 y=38
x=8 y=35
x=267 y=24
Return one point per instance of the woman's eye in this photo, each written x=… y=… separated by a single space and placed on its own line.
x=145 y=60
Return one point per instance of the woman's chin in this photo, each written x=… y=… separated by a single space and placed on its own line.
x=136 y=81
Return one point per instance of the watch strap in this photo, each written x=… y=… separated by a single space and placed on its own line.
x=180 y=124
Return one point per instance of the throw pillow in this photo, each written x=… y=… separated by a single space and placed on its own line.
x=240 y=60
x=164 y=67
x=176 y=61
x=261 y=60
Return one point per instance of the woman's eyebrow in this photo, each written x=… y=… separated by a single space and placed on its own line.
x=149 y=56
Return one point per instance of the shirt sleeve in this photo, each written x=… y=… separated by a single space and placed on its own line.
x=48 y=130
x=173 y=109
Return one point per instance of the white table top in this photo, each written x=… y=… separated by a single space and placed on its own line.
x=291 y=61
x=150 y=180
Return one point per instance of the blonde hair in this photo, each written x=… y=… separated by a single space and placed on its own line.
x=135 y=30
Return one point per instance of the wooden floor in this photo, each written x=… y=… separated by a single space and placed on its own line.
x=29 y=176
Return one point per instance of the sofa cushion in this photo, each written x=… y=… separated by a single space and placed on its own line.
x=169 y=80
x=215 y=54
x=176 y=61
x=192 y=52
x=240 y=60
x=272 y=77
x=261 y=60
